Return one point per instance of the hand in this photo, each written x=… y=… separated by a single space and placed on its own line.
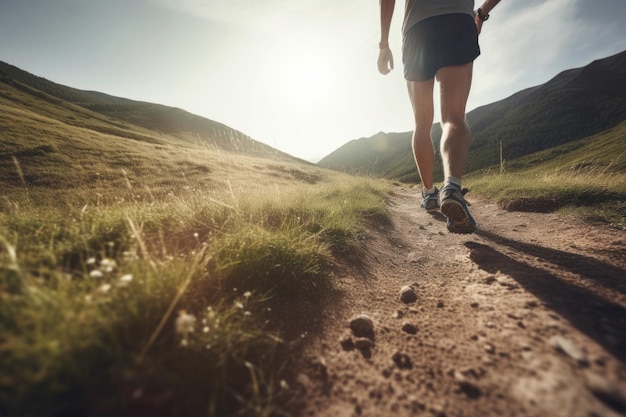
x=479 y=23
x=385 y=61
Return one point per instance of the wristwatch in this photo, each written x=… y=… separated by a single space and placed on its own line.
x=480 y=15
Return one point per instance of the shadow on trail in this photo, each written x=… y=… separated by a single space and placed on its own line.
x=600 y=319
x=602 y=273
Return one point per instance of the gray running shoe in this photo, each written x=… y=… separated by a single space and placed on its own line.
x=430 y=202
x=454 y=207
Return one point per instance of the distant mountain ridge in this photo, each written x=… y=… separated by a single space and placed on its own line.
x=574 y=104
x=113 y=110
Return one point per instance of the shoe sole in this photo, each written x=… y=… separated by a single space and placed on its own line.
x=458 y=218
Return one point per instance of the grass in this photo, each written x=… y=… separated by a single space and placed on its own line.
x=142 y=273
x=586 y=178
x=91 y=295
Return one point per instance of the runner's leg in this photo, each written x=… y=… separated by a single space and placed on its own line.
x=421 y=95
x=455 y=82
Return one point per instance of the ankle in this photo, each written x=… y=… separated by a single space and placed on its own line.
x=428 y=190
x=456 y=182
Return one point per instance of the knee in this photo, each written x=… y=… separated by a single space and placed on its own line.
x=453 y=122
x=455 y=126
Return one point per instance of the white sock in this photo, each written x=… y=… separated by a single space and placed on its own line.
x=454 y=181
x=428 y=190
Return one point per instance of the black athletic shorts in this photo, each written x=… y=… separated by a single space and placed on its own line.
x=437 y=42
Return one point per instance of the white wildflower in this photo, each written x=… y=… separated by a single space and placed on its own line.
x=247 y=295
x=108 y=265
x=185 y=323
x=104 y=288
x=91 y=261
x=96 y=273
x=125 y=280
x=239 y=305
x=205 y=329
x=247 y=313
x=284 y=385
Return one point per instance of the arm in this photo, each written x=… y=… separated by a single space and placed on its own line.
x=385 y=57
x=486 y=7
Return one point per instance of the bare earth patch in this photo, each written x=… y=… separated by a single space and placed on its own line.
x=526 y=317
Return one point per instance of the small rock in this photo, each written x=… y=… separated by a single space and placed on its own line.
x=362 y=326
x=468 y=387
x=525 y=346
x=363 y=343
x=489 y=348
x=569 y=348
x=409 y=328
x=402 y=360
x=440 y=304
x=347 y=343
x=305 y=382
x=474 y=305
x=321 y=368
x=398 y=314
x=407 y=294
x=490 y=279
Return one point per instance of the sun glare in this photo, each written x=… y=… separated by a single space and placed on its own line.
x=305 y=80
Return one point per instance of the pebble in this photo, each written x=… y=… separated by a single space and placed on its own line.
x=468 y=387
x=407 y=294
x=347 y=343
x=362 y=326
x=409 y=328
x=363 y=343
x=402 y=360
x=398 y=314
x=490 y=279
x=569 y=348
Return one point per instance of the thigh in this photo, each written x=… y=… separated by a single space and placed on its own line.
x=421 y=95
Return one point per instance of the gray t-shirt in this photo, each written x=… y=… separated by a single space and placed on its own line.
x=417 y=10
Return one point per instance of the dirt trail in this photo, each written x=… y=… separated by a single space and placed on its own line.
x=527 y=317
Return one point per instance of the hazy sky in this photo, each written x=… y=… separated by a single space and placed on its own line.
x=299 y=75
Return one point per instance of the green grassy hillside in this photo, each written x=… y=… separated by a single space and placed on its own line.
x=119 y=116
x=586 y=176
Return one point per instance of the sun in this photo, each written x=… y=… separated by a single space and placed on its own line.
x=306 y=81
